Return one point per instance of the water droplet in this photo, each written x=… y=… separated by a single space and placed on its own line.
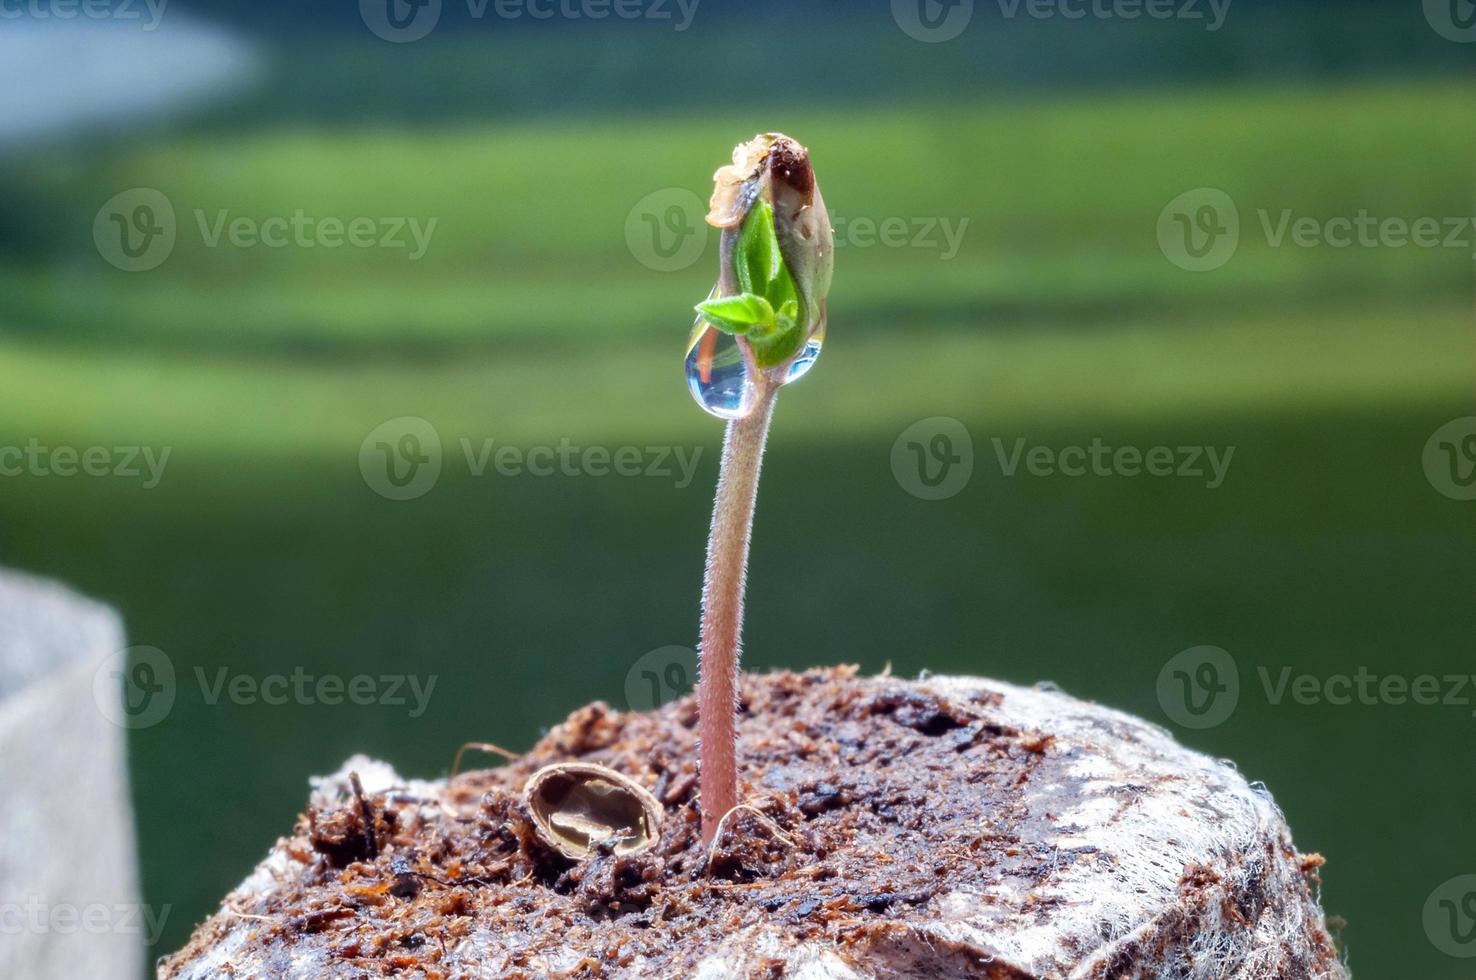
x=717 y=373
x=806 y=360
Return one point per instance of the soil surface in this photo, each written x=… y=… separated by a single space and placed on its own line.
x=871 y=800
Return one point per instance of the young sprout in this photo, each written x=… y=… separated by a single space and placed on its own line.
x=760 y=328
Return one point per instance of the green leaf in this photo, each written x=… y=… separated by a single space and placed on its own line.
x=758 y=258
x=738 y=314
x=762 y=273
x=777 y=346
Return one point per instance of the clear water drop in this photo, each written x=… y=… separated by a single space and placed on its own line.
x=717 y=373
x=806 y=360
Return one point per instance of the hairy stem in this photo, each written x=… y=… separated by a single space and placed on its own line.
x=722 y=608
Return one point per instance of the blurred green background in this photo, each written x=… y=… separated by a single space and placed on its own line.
x=541 y=311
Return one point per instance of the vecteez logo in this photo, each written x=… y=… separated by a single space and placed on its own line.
x=665 y=230
x=149 y=12
x=660 y=676
x=933 y=458
x=1454 y=20
x=1450 y=459
x=1199 y=687
x=401 y=458
x=1199 y=230
x=135 y=230
x=135 y=688
x=932 y=21
x=1450 y=917
x=400 y=21
x=403 y=21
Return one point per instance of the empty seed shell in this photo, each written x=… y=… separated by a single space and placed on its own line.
x=580 y=808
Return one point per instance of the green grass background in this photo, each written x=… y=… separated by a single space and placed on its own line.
x=530 y=321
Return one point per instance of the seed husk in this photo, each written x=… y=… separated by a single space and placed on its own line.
x=580 y=809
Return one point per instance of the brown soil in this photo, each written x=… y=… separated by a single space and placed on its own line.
x=883 y=794
x=885 y=799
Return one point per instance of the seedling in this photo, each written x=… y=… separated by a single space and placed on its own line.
x=760 y=328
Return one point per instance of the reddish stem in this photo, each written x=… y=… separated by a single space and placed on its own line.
x=722 y=607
